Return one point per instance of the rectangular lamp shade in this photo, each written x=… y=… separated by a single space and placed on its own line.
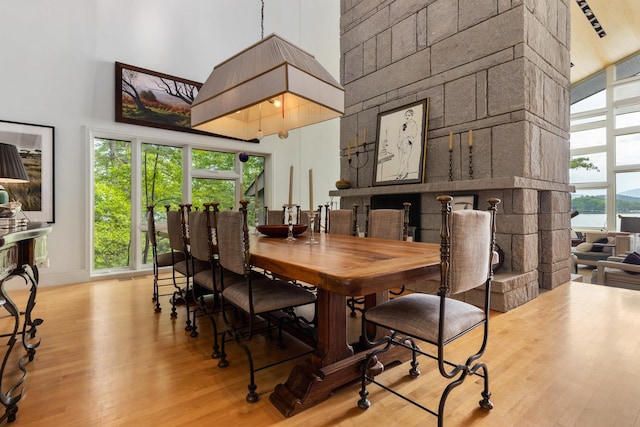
x=239 y=97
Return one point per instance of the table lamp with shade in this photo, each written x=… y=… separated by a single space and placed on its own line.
x=11 y=169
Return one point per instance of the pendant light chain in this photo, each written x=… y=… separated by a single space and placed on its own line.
x=262 y=21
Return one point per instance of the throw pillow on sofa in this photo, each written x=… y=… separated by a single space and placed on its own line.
x=632 y=258
x=584 y=247
x=599 y=245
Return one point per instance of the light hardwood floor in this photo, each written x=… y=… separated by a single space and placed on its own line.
x=568 y=358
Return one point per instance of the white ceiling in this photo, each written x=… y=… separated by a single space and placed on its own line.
x=589 y=53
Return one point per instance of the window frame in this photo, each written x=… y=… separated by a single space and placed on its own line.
x=612 y=105
x=137 y=221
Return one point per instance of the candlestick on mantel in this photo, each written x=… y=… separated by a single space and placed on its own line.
x=450 y=141
x=310 y=191
x=290 y=186
x=470 y=138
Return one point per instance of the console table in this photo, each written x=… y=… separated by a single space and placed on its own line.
x=22 y=249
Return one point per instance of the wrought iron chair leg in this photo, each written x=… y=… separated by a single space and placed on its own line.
x=414 y=371
x=174 y=312
x=280 y=342
x=252 y=396
x=194 y=328
x=445 y=394
x=486 y=403
x=351 y=303
x=376 y=369
x=223 y=362
x=216 y=347
x=188 y=326
x=156 y=292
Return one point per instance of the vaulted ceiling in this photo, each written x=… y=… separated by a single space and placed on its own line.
x=590 y=53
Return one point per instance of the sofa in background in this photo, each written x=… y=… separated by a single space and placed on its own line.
x=614 y=272
x=600 y=245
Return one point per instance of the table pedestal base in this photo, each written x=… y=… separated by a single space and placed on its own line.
x=308 y=385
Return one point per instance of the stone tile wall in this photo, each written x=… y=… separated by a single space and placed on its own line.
x=498 y=67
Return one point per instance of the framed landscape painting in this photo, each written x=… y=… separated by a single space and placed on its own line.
x=35 y=145
x=400 y=145
x=148 y=98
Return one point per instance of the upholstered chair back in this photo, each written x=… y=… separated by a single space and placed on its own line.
x=174 y=229
x=231 y=241
x=470 y=249
x=342 y=221
x=151 y=226
x=199 y=236
x=387 y=224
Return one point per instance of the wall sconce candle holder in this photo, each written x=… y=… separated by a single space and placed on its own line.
x=359 y=163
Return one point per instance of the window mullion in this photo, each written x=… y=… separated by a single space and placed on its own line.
x=611 y=152
x=136 y=195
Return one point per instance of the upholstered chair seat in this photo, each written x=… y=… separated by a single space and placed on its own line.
x=268 y=295
x=415 y=315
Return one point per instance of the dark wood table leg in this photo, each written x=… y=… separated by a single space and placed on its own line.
x=333 y=364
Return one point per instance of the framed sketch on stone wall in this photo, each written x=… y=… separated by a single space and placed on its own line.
x=401 y=145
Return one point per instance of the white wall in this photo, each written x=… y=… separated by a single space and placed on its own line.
x=57 y=69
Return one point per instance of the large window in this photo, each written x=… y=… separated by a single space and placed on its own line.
x=605 y=150
x=111 y=201
x=130 y=174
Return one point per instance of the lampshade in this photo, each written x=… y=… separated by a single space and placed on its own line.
x=268 y=87
x=11 y=168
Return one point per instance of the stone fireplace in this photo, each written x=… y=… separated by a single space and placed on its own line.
x=500 y=69
x=395 y=201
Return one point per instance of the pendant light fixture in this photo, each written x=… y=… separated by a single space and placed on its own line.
x=238 y=98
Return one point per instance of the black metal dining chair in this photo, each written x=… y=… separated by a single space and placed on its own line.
x=260 y=300
x=390 y=224
x=343 y=221
x=433 y=321
x=160 y=261
x=182 y=271
x=204 y=254
x=304 y=220
x=274 y=216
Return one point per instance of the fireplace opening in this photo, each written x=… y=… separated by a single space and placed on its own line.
x=395 y=201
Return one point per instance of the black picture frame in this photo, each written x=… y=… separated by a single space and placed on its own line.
x=35 y=144
x=401 y=145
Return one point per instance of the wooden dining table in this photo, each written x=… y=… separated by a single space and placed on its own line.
x=339 y=266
